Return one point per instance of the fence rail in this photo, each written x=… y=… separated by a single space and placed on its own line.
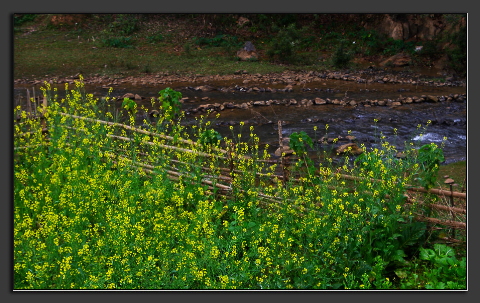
x=227 y=174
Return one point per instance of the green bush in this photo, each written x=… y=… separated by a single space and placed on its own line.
x=458 y=54
x=285 y=44
x=155 y=38
x=341 y=57
x=20 y=19
x=431 y=49
x=124 y=24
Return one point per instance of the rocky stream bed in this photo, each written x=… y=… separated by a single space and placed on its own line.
x=357 y=106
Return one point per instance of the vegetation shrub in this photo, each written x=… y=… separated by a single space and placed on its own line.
x=457 y=52
x=392 y=47
x=124 y=24
x=285 y=44
x=431 y=49
x=102 y=207
x=155 y=38
x=19 y=19
x=341 y=57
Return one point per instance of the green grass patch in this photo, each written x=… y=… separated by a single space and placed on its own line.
x=456 y=171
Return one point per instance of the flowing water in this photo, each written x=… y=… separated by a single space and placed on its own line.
x=397 y=124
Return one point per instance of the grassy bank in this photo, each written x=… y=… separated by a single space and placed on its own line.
x=134 y=45
x=456 y=171
x=101 y=207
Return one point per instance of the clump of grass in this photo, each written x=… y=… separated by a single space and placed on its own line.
x=118 y=42
x=102 y=207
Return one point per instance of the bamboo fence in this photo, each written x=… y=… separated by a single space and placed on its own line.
x=223 y=181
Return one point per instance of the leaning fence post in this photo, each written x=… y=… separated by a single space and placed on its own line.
x=34 y=101
x=29 y=106
x=43 y=112
x=463 y=186
x=232 y=166
x=283 y=160
x=450 y=182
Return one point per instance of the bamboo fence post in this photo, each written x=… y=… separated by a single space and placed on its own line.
x=29 y=106
x=34 y=101
x=43 y=112
x=232 y=165
x=283 y=164
x=452 y=203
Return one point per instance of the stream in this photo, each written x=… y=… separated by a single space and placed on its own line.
x=448 y=118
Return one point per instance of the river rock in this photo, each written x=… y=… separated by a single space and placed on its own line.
x=350 y=137
x=381 y=102
x=431 y=98
x=319 y=101
x=243 y=106
x=245 y=55
x=400 y=59
x=396 y=103
x=259 y=103
x=350 y=148
x=229 y=105
x=153 y=113
x=204 y=88
x=129 y=96
x=286 y=149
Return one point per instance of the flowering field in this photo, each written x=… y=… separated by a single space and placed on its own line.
x=97 y=206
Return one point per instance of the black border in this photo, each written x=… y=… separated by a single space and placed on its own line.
x=190 y=6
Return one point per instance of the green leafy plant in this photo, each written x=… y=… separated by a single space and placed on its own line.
x=429 y=157
x=210 y=137
x=170 y=102
x=298 y=143
x=440 y=270
x=130 y=106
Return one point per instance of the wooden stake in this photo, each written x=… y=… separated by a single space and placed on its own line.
x=284 y=163
x=44 y=111
x=34 y=101
x=29 y=106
